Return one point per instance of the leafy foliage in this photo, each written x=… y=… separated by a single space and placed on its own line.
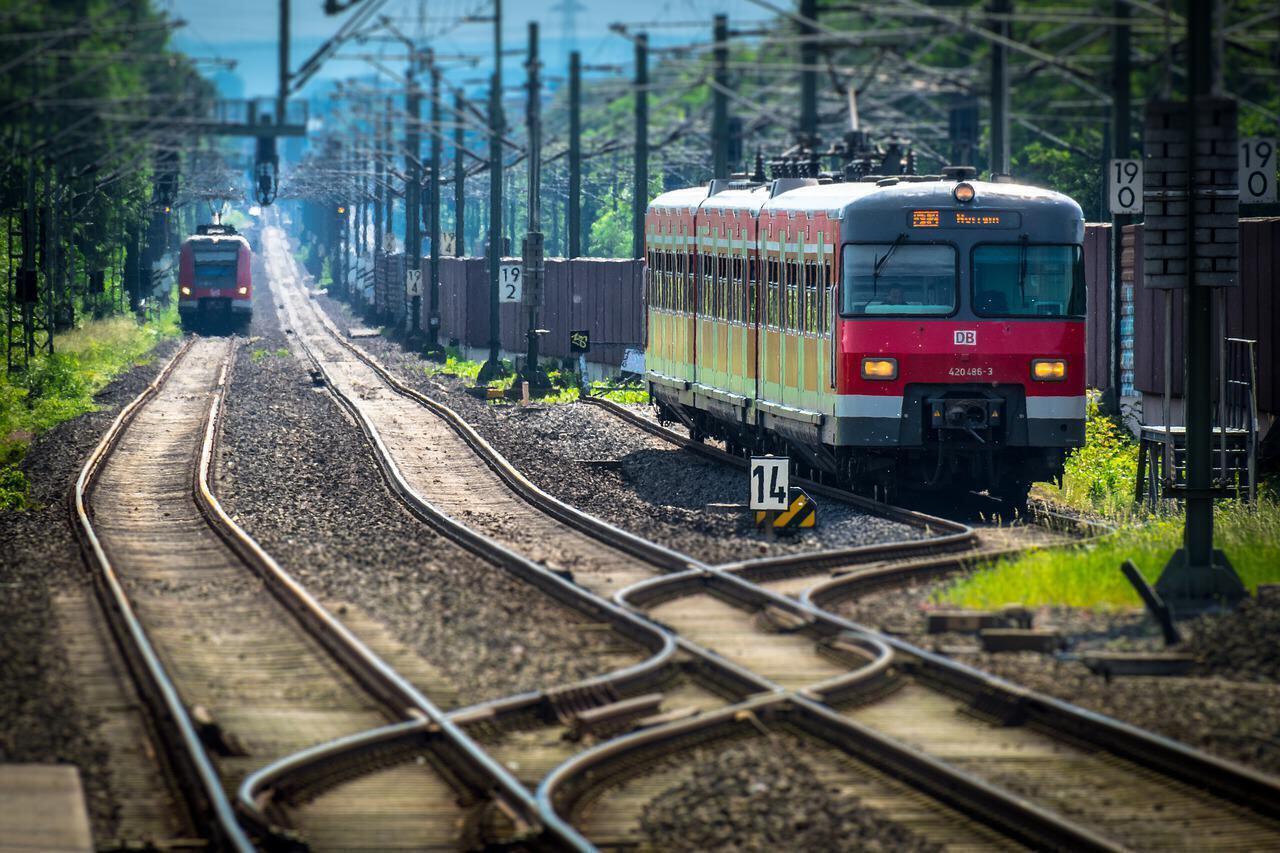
x=1099 y=477
x=61 y=386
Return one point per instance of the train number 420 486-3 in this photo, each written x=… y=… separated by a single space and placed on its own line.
x=971 y=371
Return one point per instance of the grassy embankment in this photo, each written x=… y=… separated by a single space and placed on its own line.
x=59 y=387
x=1099 y=480
x=565 y=382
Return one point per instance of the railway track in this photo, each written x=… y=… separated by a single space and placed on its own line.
x=239 y=666
x=793 y=662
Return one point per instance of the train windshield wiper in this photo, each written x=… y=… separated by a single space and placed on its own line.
x=880 y=262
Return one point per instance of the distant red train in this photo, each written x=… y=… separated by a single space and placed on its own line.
x=915 y=331
x=214 y=279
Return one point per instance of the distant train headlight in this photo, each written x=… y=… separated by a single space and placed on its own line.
x=1048 y=369
x=186 y=291
x=242 y=291
x=879 y=368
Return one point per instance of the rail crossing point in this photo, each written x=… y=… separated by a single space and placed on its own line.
x=413 y=283
x=510 y=283
x=801 y=513
x=1124 y=186
x=1257 y=170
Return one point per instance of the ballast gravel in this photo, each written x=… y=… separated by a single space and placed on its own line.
x=296 y=472
x=42 y=718
x=764 y=795
x=1228 y=704
x=617 y=472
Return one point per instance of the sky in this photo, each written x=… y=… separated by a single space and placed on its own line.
x=246 y=31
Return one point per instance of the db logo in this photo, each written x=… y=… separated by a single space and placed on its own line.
x=966 y=338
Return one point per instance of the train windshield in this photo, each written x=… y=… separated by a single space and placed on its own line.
x=899 y=278
x=1028 y=280
x=216 y=265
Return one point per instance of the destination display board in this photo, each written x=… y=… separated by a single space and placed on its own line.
x=934 y=218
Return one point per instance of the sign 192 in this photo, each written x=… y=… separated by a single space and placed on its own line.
x=1125 y=182
x=510 y=283
x=770 y=482
x=1257 y=171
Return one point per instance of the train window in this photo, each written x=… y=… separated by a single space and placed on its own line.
x=791 y=318
x=1028 y=280
x=771 y=288
x=913 y=279
x=811 y=302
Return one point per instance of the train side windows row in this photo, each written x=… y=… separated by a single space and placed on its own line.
x=797 y=296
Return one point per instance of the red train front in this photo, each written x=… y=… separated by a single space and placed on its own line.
x=906 y=332
x=214 y=279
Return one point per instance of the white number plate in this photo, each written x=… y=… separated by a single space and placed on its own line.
x=770 y=482
x=510 y=283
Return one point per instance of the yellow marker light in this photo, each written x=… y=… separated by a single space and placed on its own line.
x=243 y=291
x=963 y=193
x=341 y=210
x=1048 y=369
x=186 y=291
x=879 y=368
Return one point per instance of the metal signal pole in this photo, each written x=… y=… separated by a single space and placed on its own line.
x=640 y=195
x=808 y=73
x=492 y=369
x=1000 y=88
x=459 y=181
x=575 y=155
x=533 y=242
x=413 y=194
x=433 y=204
x=720 y=99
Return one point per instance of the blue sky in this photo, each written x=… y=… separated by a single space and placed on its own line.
x=245 y=30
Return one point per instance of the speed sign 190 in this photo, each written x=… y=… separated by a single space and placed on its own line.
x=1125 y=181
x=1257 y=171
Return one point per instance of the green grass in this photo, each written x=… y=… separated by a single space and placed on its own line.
x=1089 y=575
x=565 y=383
x=59 y=387
x=260 y=353
x=1099 y=477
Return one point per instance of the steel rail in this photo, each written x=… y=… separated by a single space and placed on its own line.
x=1169 y=757
x=1007 y=813
x=185 y=754
x=480 y=771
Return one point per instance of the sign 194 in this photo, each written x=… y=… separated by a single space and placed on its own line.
x=510 y=283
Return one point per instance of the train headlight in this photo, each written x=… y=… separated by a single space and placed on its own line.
x=1048 y=369
x=243 y=291
x=186 y=291
x=879 y=368
x=963 y=193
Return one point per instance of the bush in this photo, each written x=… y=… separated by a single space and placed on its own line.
x=1099 y=477
x=58 y=387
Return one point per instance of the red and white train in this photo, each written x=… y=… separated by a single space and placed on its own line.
x=915 y=331
x=214 y=278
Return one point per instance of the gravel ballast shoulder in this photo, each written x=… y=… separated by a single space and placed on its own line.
x=1229 y=704
x=41 y=710
x=617 y=472
x=764 y=795
x=297 y=474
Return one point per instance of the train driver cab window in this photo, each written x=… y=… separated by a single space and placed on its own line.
x=899 y=279
x=215 y=263
x=1028 y=280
